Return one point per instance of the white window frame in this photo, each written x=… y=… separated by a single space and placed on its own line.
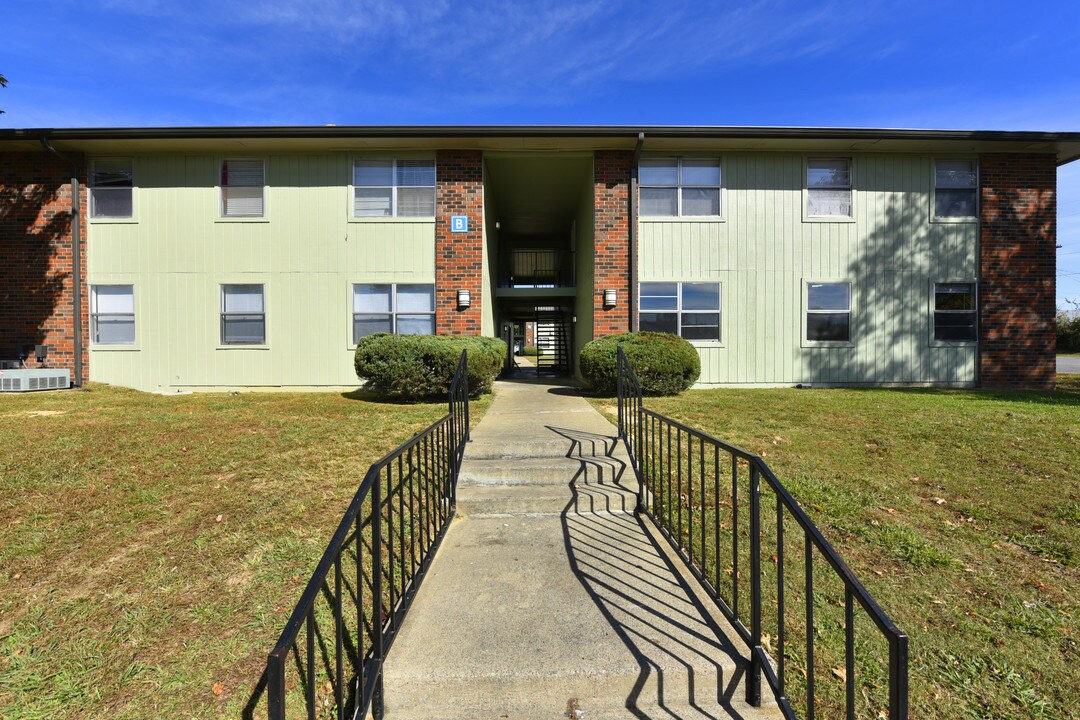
x=94 y=315
x=393 y=216
x=91 y=187
x=679 y=311
x=222 y=217
x=679 y=185
x=934 y=217
x=806 y=188
x=934 y=341
x=222 y=344
x=393 y=312
x=807 y=312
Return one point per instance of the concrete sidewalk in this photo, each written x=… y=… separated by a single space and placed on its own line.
x=549 y=595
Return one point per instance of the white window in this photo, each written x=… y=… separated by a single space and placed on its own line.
x=680 y=186
x=828 y=187
x=398 y=309
x=393 y=187
x=956 y=184
x=111 y=186
x=828 y=311
x=243 y=315
x=112 y=314
x=955 y=315
x=243 y=182
x=688 y=309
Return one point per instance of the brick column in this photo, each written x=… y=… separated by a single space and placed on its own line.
x=459 y=257
x=611 y=241
x=1017 y=261
x=36 y=278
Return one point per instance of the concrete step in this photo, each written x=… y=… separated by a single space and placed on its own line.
x=552 y=499
x=542 y=470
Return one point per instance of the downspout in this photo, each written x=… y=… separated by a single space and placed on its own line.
x=634 y=231
x=76 y=256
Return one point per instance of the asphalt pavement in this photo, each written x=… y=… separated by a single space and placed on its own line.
x=1068 y=364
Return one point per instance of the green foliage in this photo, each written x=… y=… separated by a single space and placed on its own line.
x=1068 y=332
x=422 y=366
x=530 y=351
x=665 y=364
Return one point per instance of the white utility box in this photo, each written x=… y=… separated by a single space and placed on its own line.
x=29 y=380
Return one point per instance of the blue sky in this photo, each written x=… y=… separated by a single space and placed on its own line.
x=863 y=63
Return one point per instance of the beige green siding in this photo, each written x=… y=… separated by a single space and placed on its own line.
x=307 y=252
x=763 y=251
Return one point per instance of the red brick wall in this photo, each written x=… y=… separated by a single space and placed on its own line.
x=611 y=242
x=1017 y=265
x=459 y=257
x=36 y=280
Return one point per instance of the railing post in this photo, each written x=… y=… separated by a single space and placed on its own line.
x=465 y=395
x=377 y=595
x=639 y=450
x=753 y=677
x=620 y=361
x=898 y=678
x=275 y=687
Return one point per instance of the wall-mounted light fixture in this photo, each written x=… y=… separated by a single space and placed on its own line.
x=464 y=299
x=610 y=299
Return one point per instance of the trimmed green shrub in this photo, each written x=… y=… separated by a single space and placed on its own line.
x=530 y=351
x=422 y=366
x=665 y=364
x=1068 y=332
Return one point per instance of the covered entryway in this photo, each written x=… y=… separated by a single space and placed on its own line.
x=539 y=216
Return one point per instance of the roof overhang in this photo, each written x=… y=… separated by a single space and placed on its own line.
x=1065 y=146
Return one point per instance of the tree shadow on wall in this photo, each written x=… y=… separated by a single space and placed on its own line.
x=33 y=237
x=899 y=260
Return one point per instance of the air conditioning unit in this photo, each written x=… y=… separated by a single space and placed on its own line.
x=30 y=380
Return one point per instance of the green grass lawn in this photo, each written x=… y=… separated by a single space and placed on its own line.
x=960 y=512
x=152 y=547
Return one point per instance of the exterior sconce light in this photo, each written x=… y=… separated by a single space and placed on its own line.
x=610 y=299
x=464 y=299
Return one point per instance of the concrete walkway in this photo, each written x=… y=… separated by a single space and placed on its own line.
x=549 y=596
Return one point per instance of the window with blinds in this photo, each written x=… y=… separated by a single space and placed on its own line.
x=112 y=314
x=242 y=183
x=393 y=187
x=243 y=315
x=828 y=187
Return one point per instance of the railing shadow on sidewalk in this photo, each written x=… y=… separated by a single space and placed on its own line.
x=639 y=592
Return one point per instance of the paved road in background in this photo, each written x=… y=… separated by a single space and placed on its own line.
x=1068 y=364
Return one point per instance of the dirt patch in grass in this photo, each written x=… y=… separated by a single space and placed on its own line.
x=960 y=512
x=151 y=547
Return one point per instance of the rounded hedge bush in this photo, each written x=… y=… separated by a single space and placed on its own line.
x=664 y=364
x=422 y=366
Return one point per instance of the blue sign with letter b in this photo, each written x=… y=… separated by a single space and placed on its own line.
x=459 y=223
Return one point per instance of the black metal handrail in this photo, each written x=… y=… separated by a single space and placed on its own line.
x=537 y=269
x=680 y=471
x=386 y=540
